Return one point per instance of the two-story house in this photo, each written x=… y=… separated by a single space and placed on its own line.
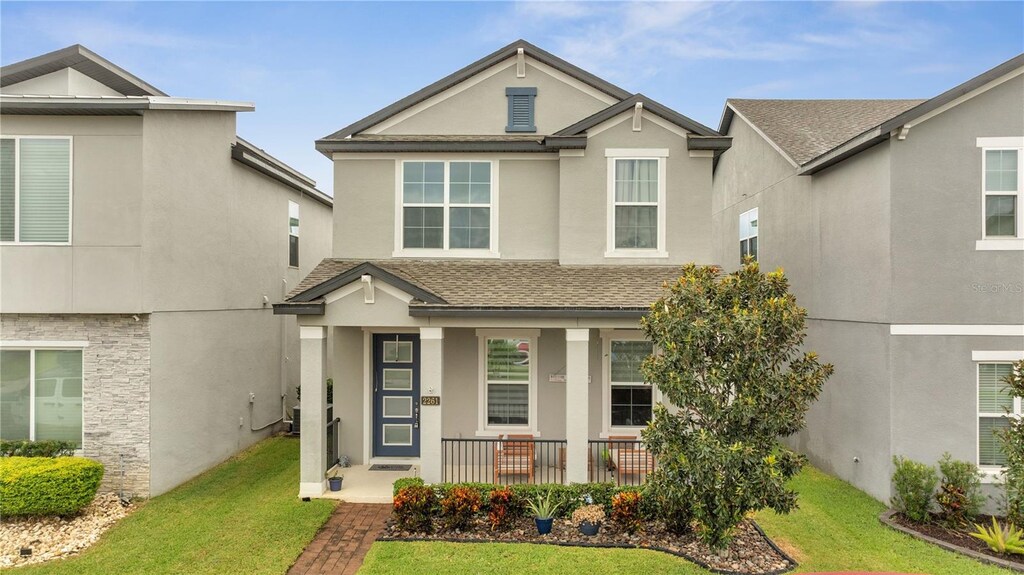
x=141 y=245
x=504 y=230
x=899 y=224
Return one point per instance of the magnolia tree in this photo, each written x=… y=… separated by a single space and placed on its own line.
x=729 y=360
x=1013 y=446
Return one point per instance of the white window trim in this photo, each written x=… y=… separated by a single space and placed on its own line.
x=990 y=473
x=401 y=251
x=659 y=154
x=298 y=218
x=1002 y=243
x=756 y=234
x=17 y=189
x=607 y=336
x=483 y=429
x=32 y=348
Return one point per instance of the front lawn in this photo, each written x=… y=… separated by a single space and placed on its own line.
x=241 y=517
x=836 y=528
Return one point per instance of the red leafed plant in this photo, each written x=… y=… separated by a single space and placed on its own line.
x=503 y=508
x=413 y=507
x=459 y=506
x=626 y=511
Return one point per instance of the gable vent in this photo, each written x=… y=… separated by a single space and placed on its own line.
x=521 y=109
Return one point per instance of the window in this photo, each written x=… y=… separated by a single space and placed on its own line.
x=508 y=378
x=35 y=189
x=636 y=193
x=520 y=109
x=1002 y=175
x=41 y=394
x=748 y=234
x=994 y=400
x=293 y=234
x=447 y=206
x=632 y=399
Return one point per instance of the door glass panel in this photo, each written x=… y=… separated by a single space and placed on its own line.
x=59 y=395
x=397 y=434
x=14 y=395
x=398 y=351
x=397 y=407
x=398 y=379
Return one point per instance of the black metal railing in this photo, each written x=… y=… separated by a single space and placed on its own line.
x=622 y=461
x=503 y=461
x=333 y=435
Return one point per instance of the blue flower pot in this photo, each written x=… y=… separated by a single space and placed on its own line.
x=334 y=483
x=544 y=525
x=589 y=529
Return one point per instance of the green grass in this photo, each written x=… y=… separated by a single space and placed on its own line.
x=836 y=528
x=241 y=517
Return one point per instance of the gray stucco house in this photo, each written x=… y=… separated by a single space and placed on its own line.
x=503 y=230
x=141 y=245
x=899 y=225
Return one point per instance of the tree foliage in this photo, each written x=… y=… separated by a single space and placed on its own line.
x=730 y=360
x=1013 y=446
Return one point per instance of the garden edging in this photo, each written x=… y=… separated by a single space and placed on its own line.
x=887 y=518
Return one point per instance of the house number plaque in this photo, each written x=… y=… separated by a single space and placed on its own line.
x=430 y=400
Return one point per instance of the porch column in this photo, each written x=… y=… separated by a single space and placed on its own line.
x=577 y=404
x=312 y=448
x=431 y=382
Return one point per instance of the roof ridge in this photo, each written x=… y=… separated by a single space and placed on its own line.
x=101 y=70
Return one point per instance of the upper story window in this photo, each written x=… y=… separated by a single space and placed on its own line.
x=748 y=234
x=994 y=404
x=636 y=193
x=521 y=109
x=1002 y=193
x=447 y=208
x=293 y=234
x=35 y=189
x=41 y=394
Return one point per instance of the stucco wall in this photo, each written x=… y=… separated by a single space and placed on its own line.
x=115 y=387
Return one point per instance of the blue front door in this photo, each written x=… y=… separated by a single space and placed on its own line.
x=396 y=395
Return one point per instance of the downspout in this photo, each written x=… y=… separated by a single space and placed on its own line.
x=283 y=371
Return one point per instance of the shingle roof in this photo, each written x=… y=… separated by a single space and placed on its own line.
x=806 y=129
x=486 y=284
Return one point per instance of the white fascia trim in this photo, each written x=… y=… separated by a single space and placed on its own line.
x=610 y=123
x=997 y=355
x=433 y=156
x=312 y=488
x=948 y=329
x=312 y=332
x=682 y=133
x=43 y=344
x=636 y=152
x=1007 y=245
x=1001 y=142
x=765 y=137
x=573 y=82
x=976 y=92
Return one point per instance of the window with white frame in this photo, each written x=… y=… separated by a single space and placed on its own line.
x=293 y=234
x=1003 y=193
x=41 y=394
x=508 y=380
x=994 y=405
x=447 y=205
x=35 y=189
x=748 y=234
x=637 y=204
x=631 y=398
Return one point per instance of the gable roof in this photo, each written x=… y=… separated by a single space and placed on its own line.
x=628 y=104
x=471 y=70
x=83 y=60
x=805 y=129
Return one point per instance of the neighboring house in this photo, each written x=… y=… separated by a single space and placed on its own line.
x=899 y=226
x=502 y=232
x=141 y=244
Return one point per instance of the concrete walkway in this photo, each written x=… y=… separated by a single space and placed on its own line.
x=343 y=541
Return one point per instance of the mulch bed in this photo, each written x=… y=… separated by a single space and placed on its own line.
x=750 y=553
x=959 y=538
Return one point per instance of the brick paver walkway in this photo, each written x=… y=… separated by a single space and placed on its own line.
x=339 y=547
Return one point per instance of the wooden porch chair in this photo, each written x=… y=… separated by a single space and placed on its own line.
x=514 y=457
x=630 y=460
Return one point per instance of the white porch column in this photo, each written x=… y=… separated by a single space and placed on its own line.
x=431 y=382
x=312 y=448
x=577 y=404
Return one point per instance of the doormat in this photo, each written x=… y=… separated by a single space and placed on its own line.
x=389 y=467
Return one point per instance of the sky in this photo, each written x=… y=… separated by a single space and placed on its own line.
x=315 y=67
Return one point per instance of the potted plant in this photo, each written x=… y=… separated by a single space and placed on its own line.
x=334 y=479
x=588 y=519
x=543 y=510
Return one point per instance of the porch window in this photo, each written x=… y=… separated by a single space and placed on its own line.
x=632 y=399
x=41 y=394
x=508 y=375
x=447 y=206
x=35 y=189
x=994 y=400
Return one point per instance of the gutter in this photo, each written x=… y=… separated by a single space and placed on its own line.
x=450 y=311
x=548 y=144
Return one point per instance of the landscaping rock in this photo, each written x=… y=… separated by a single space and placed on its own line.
x=55 y=537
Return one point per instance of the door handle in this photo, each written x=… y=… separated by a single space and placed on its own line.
x=416 y=424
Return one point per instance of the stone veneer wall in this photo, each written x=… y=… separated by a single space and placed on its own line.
x=116 y=389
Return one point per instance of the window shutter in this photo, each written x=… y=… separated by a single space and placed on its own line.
x=7 y=189
x=45 y=190
x=520 y=109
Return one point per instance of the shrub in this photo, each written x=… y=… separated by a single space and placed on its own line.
x=1013 y=446
x=626 y=510
x=459 y=506
x=503 y=507
x=731 y=361
x=406 y=482
x=414 y=506
x=47 y=486
x=959 y=494
x=1001 y=538
x=47 y=448
x=914 y=483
